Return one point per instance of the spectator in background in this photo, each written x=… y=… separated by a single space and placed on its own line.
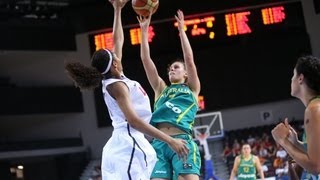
x=305 y=85
x=227 y=152
x=281 y=166
x=271 y=152
x=251 y=140
x=281 y=153
x=266 y=142
x=236 y=148
x=262 y=152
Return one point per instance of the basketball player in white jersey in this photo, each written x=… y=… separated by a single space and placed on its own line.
x=127 y=154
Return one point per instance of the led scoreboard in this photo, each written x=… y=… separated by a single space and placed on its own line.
x=210 y=27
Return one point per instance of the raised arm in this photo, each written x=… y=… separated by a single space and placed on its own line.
x=193 y=79
x=155 y=80
x=118 y=37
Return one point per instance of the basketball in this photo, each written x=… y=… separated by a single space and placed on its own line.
x=145 y=7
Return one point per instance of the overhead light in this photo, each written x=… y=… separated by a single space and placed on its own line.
x=33 y=9
x=52 y=3
x=32 y=16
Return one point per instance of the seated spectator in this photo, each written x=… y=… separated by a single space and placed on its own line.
x=267 y=142
x=236 y=148
x=278 y=163
x=271 y=152
x=251 y=140
x=227 y=152
x=281 y=152
x=262 y=152
x=281 y=167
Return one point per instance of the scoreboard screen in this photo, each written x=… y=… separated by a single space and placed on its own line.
x=211 y=27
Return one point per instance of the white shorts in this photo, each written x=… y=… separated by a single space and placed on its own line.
x=127 y=157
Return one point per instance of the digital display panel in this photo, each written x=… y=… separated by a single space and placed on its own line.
x=211 y=27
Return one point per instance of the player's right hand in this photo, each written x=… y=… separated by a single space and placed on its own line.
x=180 y=147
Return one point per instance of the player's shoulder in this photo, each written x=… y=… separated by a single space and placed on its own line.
x=255 y=158
x=314 y=106
x=313 y=110
x=238 y=158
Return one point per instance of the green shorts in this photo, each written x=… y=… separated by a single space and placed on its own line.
x=169 y=166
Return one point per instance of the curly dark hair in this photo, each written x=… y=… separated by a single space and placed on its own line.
x=88 y=78
x=309 y=66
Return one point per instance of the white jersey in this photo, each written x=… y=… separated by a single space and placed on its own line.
x=139 y=99
x=128 y=155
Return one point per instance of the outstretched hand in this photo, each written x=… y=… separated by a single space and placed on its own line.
x=118 y=3
x=144 y=22
x=180 y=147
x=180 y=19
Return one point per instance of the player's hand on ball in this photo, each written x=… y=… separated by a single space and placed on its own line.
x=144 y=22
x=145 y=7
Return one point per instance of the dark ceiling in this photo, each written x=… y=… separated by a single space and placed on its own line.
x=25 y=21
x=87 y=15
x=83 y=15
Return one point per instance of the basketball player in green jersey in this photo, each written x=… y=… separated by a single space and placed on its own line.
x=246 y=165
x=305 y=85
x=175 y=107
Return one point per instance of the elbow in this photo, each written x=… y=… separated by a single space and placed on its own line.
x=315 y=171
x=143 y=58
x=133 y=123
x=315 y=168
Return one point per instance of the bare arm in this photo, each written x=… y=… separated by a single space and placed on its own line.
x=193 y=79
x=259 y=167
x=118 y=37
x=154 y=79
x=310 y=159
x=120 y=92
x=235 y=168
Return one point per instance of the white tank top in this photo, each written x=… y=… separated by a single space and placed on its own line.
x=139 y=99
